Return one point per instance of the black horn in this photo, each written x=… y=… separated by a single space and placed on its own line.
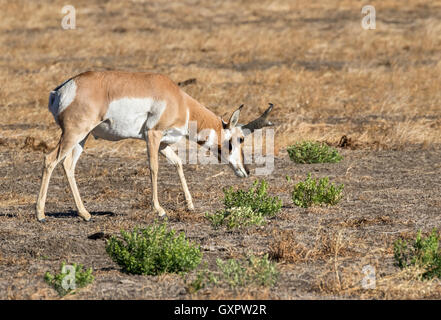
x=260 y=122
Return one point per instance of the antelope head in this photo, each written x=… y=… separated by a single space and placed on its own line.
x=234 y=137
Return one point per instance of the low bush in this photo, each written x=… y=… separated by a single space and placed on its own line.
x=257 y=198
x=423 y=253
x=70 y=278
x=313 y=152
x=253 y=271
x=154 y=250
x=312 y=191
x=236 y=217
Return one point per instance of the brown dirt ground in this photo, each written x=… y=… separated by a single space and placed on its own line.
x=388 y=194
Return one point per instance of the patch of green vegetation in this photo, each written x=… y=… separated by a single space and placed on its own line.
x=253 y=271
x=423 y=253
x=154 y=250
x=313 y=152
x=256 y=197
x=70 y=278
x=236 y=217
x=312 y=191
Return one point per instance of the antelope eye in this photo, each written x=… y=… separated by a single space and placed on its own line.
x=241 y=140
x=230 y=146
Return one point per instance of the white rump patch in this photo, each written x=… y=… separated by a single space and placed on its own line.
x=61 y=98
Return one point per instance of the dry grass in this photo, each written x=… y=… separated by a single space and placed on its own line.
x=326 y=75
x=346 y=281
x=285 y=246
x=342 y=273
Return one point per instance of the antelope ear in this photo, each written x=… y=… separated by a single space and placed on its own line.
x=234 y=119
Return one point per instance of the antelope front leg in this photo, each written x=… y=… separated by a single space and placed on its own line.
x=153 y=142
x=174 y=158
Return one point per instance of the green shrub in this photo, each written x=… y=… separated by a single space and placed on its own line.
x=239 y=273
x=311 y=191
x=236 y=217
x=65 y=282
x=313 y=152
x=256 y=198
x=153 y=251
x=424 y=253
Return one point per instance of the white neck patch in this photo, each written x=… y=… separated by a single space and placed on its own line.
x=211 y=139
x=227 y=134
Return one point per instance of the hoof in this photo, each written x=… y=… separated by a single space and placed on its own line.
x=164 y=217
x=41 y=220
x=85 y=216
x=160 y=211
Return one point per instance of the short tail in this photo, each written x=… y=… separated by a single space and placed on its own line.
x=54 y=101
x=52 y=96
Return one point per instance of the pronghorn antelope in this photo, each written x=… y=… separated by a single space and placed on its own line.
x=115 y=105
